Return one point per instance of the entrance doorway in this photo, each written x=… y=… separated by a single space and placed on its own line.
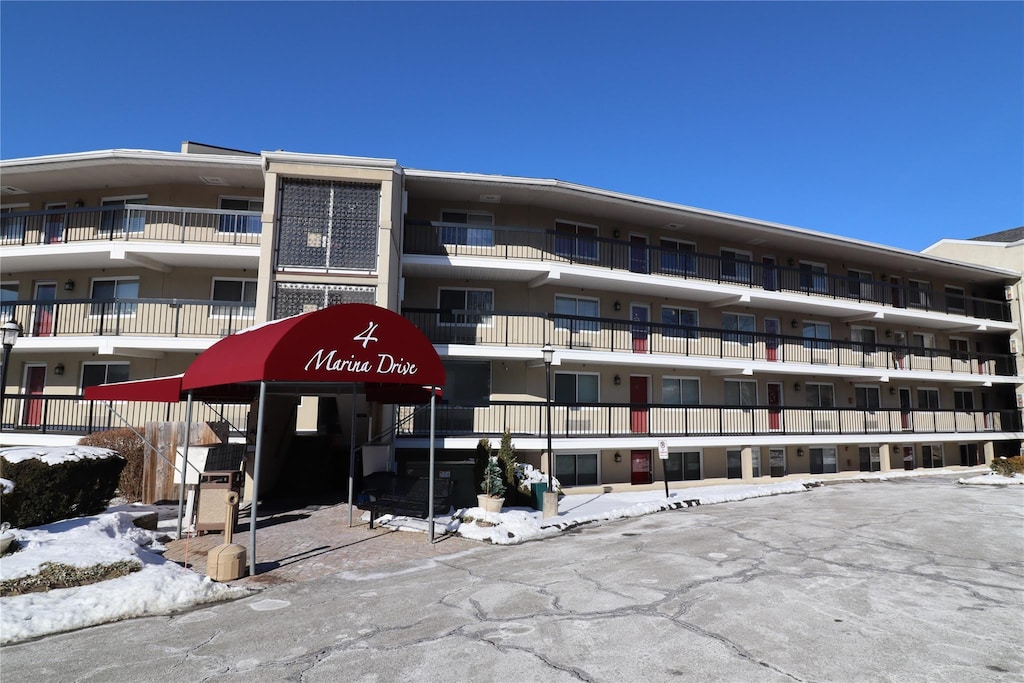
x=774 y=406
x=777 y=461
x=640 y=469
x=35 y=383
x=639 y=330
x=638 y=254
x=639 y=407
x=42 y=314
x=771 y=340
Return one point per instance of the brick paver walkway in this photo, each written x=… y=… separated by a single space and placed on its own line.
x=308 y=543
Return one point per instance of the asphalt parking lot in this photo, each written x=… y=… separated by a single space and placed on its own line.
x=907 y=580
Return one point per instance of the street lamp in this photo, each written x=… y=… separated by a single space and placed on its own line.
x=548 y=353
x=11 y=330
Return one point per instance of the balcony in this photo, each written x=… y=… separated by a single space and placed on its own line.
x=129 y=317
x=608 y=420
x=73 y=415
x=131 y=222
x=534 y=330
x=509 y=243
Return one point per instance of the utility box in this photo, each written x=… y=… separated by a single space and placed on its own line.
x=210 y=502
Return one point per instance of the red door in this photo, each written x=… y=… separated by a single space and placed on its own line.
x=640 y=329
x=905 y=407
x=771 y=341
x=35 y=382
x=640 y=470
x=774 y=405
x=42 y=316
x=639 y=409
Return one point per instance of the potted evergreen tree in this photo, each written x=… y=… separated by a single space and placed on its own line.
x=492 y=488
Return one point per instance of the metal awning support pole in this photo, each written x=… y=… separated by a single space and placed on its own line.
x=256 y=478
x=430 y=469
x=352 y=455
x=184 y=461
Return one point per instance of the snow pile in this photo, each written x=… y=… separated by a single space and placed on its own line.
x=55 y=455
x=991 y=479
x=160 y=587
x=6 y=485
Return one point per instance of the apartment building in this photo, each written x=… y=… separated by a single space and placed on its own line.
x=634 y=339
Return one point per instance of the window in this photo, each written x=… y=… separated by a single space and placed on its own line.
x=577 y=306
x=106 y=291
x=680 y=391
x=865 y=336
x=927 y=399
x=576 y=241
x=963 y=400
x=959 y=348
x=868 y=398
x=465 y=306
x=242 y=291
x=740 y=392
x=820 y=395
x=571 y=387
x=918 y=294
x=103 y=373
x=467 y=383
x=739 y=328
x=482 y=236
x=823 y=460
x=124 y=220
x=821 y=332
x=576 y=469
x=735 y=265
x=813 y=277
x=678 y=257
x=861 y=285
x=8 y=295
x=683 y=466
x=734 y=462
x=680 y=322
x=236 y=223
x=956 y=300
x=922 y=342
x=12 y=227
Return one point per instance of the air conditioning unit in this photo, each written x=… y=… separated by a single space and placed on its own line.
x=1008 y=292
x=1014 y=347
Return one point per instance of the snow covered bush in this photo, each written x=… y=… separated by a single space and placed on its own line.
x=51 y=484
x=132 y=448
x=1008 y=466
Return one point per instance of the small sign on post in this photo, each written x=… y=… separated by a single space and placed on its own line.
x=663 y=454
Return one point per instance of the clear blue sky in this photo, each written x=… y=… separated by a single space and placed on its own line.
x=898 y=123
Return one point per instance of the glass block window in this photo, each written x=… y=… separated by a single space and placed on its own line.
x=328 y=225
x=292 y=298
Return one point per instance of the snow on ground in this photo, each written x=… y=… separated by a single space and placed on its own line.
x=159 y=587
x=162 y=586
x=991 y=479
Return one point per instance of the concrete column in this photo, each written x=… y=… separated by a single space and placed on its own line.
x=885 y=457
x=747 y=463
x=989 y=448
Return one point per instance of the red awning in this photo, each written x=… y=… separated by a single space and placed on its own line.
x=339 y=344
x=343 y=344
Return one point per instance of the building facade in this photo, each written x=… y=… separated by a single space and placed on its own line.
x=685 y=344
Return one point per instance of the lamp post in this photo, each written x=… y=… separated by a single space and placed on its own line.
x=11 y=330
x=548 y=353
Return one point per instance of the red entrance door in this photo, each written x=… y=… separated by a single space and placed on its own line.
x=639 y=315
x=640 y=471
x=35 y=382
x=771 y=340
x=42 y=316
x=774 y=405
x=638 y=409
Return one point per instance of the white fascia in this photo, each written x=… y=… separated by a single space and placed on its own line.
x=57 y=161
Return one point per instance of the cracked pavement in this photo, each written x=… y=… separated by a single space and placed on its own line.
x=910 y=580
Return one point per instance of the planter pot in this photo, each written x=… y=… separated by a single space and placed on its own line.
x=6 y=539
x=490 y=503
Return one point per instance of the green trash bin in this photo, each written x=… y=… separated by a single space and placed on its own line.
x=537 y=491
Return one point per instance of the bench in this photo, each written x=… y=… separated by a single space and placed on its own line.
x=407 y=497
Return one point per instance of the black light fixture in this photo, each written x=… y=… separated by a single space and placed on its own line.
x=69 y=285
x=617 y=380
x=794 y=324
x=796 y=386
x=618 y=456
x=888 y=333
x=617 y=306
x=892 y=391
x=799 y=452
x=58 y=369
x=615 y=233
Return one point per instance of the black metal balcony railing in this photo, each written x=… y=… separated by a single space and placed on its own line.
x=433 y=238
x=47 y=414
x=607 y=420
x=130 y=222
x=129 y=317
x=503 y=328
